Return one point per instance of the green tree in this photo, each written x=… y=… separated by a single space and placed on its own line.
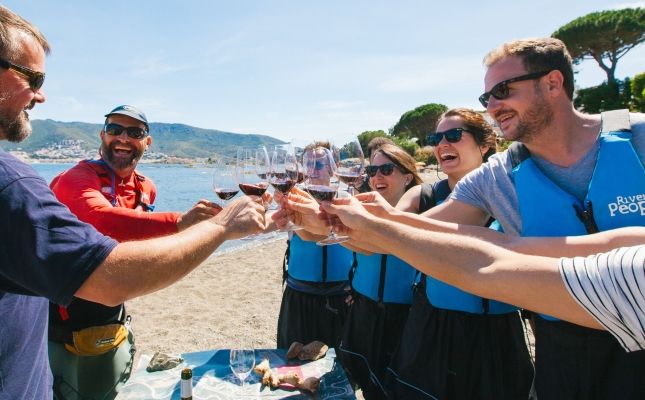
x=638 y=92
x=418 y=122
x=601 y=98
x=604 y=36
x=365 y=137
x=410 y=146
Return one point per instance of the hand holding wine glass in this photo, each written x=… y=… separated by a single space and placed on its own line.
x=321 y=183
x=284 y=175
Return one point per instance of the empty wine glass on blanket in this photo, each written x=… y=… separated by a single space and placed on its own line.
x=242 y=361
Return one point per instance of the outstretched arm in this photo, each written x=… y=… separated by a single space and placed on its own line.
x=136 y=268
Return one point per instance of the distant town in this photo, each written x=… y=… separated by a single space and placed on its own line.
x=68 y=151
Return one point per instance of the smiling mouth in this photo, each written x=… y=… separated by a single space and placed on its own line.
x=448 y=156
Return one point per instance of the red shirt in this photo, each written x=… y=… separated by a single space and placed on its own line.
x=116 y=207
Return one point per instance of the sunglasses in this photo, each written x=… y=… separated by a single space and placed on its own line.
x=451 y=135
x=500 y=91
x=386 y=169
x=35 y=78
x=133 y=131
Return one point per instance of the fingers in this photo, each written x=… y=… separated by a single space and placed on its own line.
x=367 y=197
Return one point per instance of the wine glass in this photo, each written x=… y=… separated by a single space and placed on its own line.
x=252 y=173
x=351 y=163
x=284 y=175
x=242 y=361
x=321 y=183
x=224 y=184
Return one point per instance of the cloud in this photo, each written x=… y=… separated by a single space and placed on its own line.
x=156 y=65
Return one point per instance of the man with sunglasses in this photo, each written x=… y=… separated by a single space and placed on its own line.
x=111 y=195
x=46 y=253
x=560 y=178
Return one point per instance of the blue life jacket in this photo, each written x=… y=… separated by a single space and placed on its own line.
x=443 y=295
x=312 y=263
x=383 y=278
x=615 y=196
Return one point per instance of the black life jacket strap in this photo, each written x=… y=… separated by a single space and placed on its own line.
x=381 y=283
x=285 y=262
x=518 y=153
x=324 y=263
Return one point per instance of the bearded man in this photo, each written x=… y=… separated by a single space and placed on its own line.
x=113 y=197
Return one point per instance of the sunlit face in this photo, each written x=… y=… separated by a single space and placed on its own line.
x=457 y=159
x=525 y=112
x=391 y=187
x=16 y=97
x=123 y=152
x=320 y=170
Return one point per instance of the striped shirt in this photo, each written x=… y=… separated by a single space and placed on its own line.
x=611 y=287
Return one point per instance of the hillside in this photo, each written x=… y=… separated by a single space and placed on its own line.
x=176 y=140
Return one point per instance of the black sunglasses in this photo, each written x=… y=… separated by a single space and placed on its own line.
x=451 y=135
x=386 y=169
x=500 y=91
x=35 y=78
x=133 y=131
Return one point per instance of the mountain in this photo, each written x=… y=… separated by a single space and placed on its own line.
x=176 y=140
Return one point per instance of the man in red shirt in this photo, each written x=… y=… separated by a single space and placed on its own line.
x=113 y=197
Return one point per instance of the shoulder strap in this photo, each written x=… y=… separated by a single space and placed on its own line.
x=518 y=153
x=324 y=263
x=381 y=283
x=441 y=190
x=615 y=121
x=285 y=261
x=426 y=197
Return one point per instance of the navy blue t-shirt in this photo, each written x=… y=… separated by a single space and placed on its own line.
x=46 y=253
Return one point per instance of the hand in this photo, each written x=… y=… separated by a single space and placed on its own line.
x=204 y=209
x=300 y=208
x=375 y=204
x=351 y=215
x=242 y=217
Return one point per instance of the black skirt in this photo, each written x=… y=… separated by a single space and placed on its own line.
x=372 y=333
x=307 y=317
x=574 y=362
x=446 y=354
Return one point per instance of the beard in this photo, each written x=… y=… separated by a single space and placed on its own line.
x=15 y=128
x=118 y=163
x=534 y=120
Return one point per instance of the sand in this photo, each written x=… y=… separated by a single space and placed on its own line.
x=232 y=296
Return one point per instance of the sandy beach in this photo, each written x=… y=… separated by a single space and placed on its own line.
x=230 y=296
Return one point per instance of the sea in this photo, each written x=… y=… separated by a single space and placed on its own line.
x=179 y=187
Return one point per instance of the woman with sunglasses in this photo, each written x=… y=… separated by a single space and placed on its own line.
x=381 y=285
x=313 y=303
x=456 y=345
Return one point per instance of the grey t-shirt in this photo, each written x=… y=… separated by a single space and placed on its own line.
x=490 y=187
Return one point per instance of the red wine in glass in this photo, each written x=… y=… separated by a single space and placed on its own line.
x=226 y=193
x=321 y=193
x=257 y=189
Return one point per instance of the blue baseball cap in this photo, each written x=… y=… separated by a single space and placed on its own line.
x=131 y=112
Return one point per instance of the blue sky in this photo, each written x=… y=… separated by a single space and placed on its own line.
x=288 y=69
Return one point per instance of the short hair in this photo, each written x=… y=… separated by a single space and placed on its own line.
x=402 y=160
x=12 y=24
x=475 y=123
x=318 y=143
x=376 y=143
x=537 y=55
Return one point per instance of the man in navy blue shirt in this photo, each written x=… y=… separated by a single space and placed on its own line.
x=46 y=253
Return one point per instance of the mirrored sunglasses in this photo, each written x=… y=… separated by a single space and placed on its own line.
x=133 y=131
x=35 y=78
x=386 y=169
x=500 y=91
x=451 y=135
